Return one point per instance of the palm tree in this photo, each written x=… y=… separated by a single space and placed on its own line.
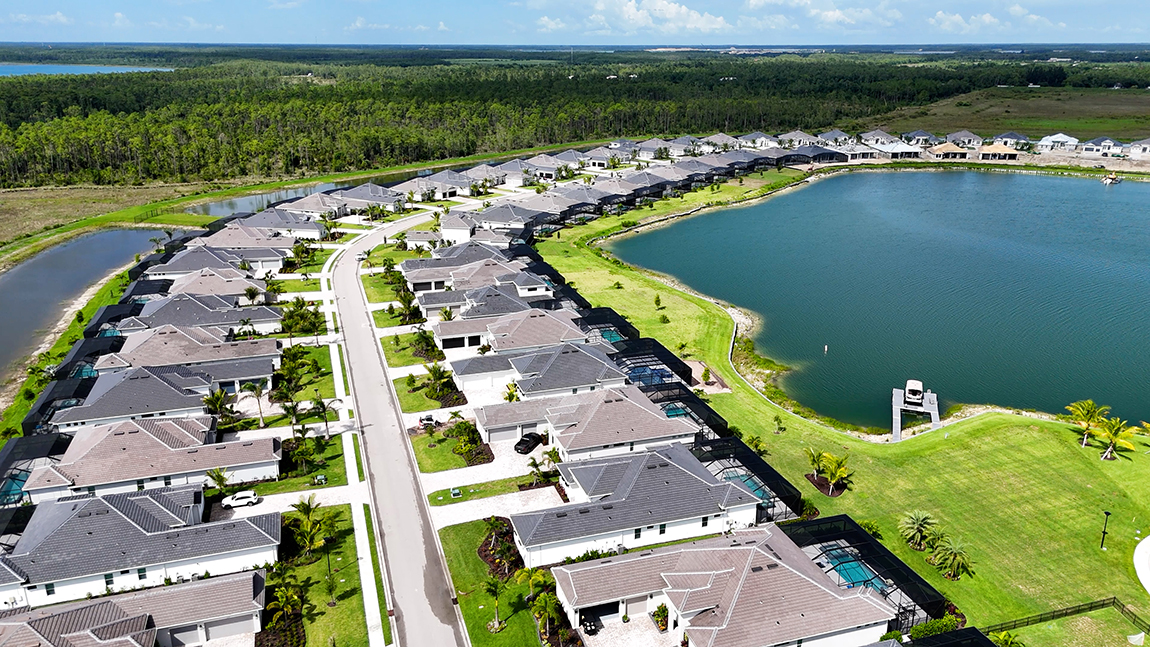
x=251 y=293
x=495 y=588
x=309 y=536
x=536 y=470
x=914 y=527
x=1087 y=415
x=1115 y=433
x=1006 y=639
x=291 y=408
x=757 y=445
x=546 y=608
x=307 y=508
x=935 y=536
x=551 y=456
x=218 y=403
x=246 y=324
x=219 y=479
x=512 y=394
x=287 y=603
x=837 y=473
x=494 y=526
x=255 y=391
x=438 y=379
x=506 y=554
x=531 y=577
x=952 y=558
x=321 y=409
x=817 y=460
x=446 y=314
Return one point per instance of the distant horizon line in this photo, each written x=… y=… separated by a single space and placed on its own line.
x=907 y=47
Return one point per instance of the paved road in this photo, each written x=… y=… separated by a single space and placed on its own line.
x=420 y=591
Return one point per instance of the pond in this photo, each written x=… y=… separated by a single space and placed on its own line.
x=20 y=69
x=1019 y=290
x=35 y=292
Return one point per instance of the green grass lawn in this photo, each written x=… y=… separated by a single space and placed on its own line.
x=300 y=285
x=468 y=573
x=324 y=381
x=380 y=252
x=1019 y=492
x=315 y=265
x=401 y=355
x=439 y=458
x=1105 y=628
x=380 y=591
x=413 y=402
x=335 y=470
x=477 y=491
x=377 y=289
x=384 y=320
x=346 y=622
x=351 y=225
x=358 y=458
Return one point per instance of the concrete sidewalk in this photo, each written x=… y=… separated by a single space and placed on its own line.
x=503 y=505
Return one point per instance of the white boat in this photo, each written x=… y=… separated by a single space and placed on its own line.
x=913 y=393
x=1111 y=179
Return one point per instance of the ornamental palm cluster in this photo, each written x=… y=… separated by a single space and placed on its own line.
x=922 y=532
x=1113 y=432
x=833 y=468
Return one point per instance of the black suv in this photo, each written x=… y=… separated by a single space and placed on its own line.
x=528 y=442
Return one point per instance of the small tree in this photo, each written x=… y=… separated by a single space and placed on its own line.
x=410 y=383
x=915 y=526
x=1087 y=415
x=446 y=314
x=658 y=302
x=1114 y=433
x=1006 y=639
x=706 y=375
x=494 y=526
x=546 y=608
x=495 y=588
x=219 y=479
x=512 y=394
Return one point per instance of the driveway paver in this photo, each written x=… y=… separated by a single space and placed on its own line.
x=503 y=505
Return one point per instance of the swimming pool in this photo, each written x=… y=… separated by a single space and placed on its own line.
x=11 y=490
x=751 y=482
x=854 y=572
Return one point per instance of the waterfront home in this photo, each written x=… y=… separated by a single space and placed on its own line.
x=558 y=207
x=236 y=235
x=1140 y=149
x=142 y=290
x=921 y=138
x=287 y=223
x=877 y=137
x=797 y=138
x=622 y=191
x=856 y=152
x=947 y=151
x=194 y=259
x=488 y=173
x=897 y=150
x=751 y=588
x=518 y=172
x=463 y=277
x=190 y=311
x=487 y=301
x=1057 y=142
x=820 y=155
x=650 y=185
x=430 y=188
x=572 y=158
x=191 y=613
x=759 y=140
x=139 y=393
x=85 y=546
x=632 y=501
x=202 y=348
x=226 y=283
x=676 y=176
x=588 y=194
x=1012 y=139
x=602 y=157
x=835 y=138
x=721 y=142
x=699 y=167
x=560 y=370
x=368 y=194
x=149 y=454
x=965 y=139
x=649 y=148
x=517 y=332
x=622 y=143
x=316 y=205
x=1101 y=147
x=997 y=152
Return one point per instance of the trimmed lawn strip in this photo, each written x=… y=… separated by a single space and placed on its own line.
x=439 y=458
x=351 y=225
x=468 y=573
x=343 y=368
x=300 y=285
x=358 y=458
x=402 y=355
x=380 y=252
x=381 y=592
x=478 y=491
x=346 y=622
x=335 y=470
x=384 y=320
x=324 y=381
x=413 y=402
x=377 y=289
x=1105 y=628
x=1033 y=538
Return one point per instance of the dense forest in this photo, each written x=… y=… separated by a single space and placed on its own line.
x=265 y=118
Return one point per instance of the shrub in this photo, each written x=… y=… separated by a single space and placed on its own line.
x=892 y=635
x=628 y=223
x=871 y=528
x=664 y=319
x=934 y=627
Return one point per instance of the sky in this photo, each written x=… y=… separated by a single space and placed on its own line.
x=579 y=22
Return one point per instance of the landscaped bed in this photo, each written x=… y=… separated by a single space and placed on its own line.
x=407 y=353
x=438 y=453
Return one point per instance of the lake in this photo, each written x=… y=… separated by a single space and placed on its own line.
x=18 y=69
x=35 y=292
x=1018 y=290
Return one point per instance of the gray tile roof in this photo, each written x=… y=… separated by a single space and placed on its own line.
x=564 y=367
x=510 y=214
x=196 y=311
x=636 y=490
x=368 y=192
x=280 y=219
x=174 y=345
x=238 y=236
x=136 y=392
x=621 y=415
x=481 y=364
x=79 y=536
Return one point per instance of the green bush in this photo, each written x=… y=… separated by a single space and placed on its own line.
x=628 y=223
x=934 y=627
x=871 y=528
x=892 y=635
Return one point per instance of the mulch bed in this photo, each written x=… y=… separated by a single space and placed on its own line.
x=573 y=638
x=289 y=634
x=823 y=485
x=953 y=610
x=481 y=456
x=452 y=399
x=435 y=356
x=487 y=552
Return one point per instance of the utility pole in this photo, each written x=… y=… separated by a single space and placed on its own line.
x=1104 y=526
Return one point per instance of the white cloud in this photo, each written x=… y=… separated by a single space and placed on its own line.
x=1032 y=19
x=191 y=24
x=763 y=23
x=284 y=4
x=362 y=23
x=1017 y=11
x=955 y=23
x=551 y=24
x=121 y=21
x=443 y=27
x=664 y=16
x=57 y=18
x=758 y=4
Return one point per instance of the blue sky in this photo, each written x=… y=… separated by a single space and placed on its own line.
x=582 y=22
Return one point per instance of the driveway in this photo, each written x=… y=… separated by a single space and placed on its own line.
x=340 y=495
x=506 y=464
x=640 y=632
x=503 y=505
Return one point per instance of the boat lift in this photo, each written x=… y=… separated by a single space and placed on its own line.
x=913 y=400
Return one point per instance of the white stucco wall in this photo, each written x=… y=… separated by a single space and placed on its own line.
x=71 y=427
x=616 y=449
x=263 y=471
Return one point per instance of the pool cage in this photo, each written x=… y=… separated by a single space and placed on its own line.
x=647 y=362
x=678 y=401
x=604 y=324
x=854 y=558
x=731 y=460
x=20 y=456
x=966 y=637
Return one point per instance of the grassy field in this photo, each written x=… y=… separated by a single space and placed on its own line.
x=380 y=252
x=1025 y=498
x=335 y=470
x=439 y=458
x=401 y=355
x=315 y=265
x=380 y=591
x=413 y=402
x=478 y=491
x=324 y=380
x=384 y=320
x=300 y=285
x=1106 y=628
x=346 y=622
x=468 y=573
x=377 y=289
x=1081 y=112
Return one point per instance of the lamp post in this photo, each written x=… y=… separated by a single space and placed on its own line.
x=1105 y=523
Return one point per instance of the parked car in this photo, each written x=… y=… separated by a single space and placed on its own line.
x=427 y=421
x=528 y=442
x=361 y=257
x=246 y=497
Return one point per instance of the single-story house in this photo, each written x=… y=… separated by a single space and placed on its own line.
x=587 y=194
x=198 y=348
x=621 y=190
x=650 y=185
x=226 y=283
x=601 y=157
x=1012 y=139
x=820 y=154
x=877 y=137
x=517 y=172
x=316 y=205
x=559 y=207
x=190 y=613
x=921 y=138
x=195 y=259
x=948 y=151
x=487 y=301
x=287 y=223
x=517 y=332
x=560 y=370
x=897 y=150
x=457 y=227
x=547 y=166
x=632 y=501
x=431 y=188
x=85 y=546
x=797 y=138
x=1101 y=146
x=753 y=588
x=147 y=454
x=965 y=139
x=721 y=142
x=856 y=152
x=488 y=173
x=371 y=195
x=686 y=145
x=236 y=235
x=759 y=140
x=997 y=152
x=511 y=216
x=140 y=393
x=202 y=311
x=649 y=148
x=836 y=137
x=1057 y=142
x=1140 y=149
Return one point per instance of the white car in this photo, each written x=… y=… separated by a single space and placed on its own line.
x=361 y=257
x=246 y=497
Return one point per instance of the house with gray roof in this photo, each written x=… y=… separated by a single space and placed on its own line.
x=518 y=172
x=622 y=190
x=516 y=332
x=559 y=207
x=236 y=235
x=1011 y=139
x=569 y=369
x=686 y=145
x=227 y=283
x=371 y=195
x=632 y=501
x=650 y=185
x=288 y=223
x=487 y=301
x=965 y=139
x=197 y=258
x=315 y=205
x=752 y=588
x=1101 y=147
x=601 y=157
x=648 y=148
x=511 y=216
x=797 y=138
x=488 y=173
x=921 y=138
x=190 y=311
x=835 y=137
x=759 y=140
x=83 y=546
x=139 y=393
x=721 y=142
x=873 y=137
x=147 y=454
x=180 y=614
x=437 y=186
x=587 y=194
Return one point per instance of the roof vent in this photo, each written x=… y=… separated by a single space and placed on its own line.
x=756 y=569
x=584 y=510
x=663 y=464
x=560 y=514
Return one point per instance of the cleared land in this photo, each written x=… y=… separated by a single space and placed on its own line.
x=1081 y=112
x=1021 y=493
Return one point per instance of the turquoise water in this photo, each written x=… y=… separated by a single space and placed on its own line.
x=1020 y=290
x=18 y=69
x=854 y=572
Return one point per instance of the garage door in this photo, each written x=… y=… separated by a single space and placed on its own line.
x=508 y=433
x=600 y=611
x=230 y=627
x=189 y=635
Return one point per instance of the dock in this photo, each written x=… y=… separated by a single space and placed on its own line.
x=898 y=405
